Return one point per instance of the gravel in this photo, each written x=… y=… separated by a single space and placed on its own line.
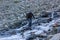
x=15 y=10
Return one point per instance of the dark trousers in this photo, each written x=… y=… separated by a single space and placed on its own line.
x=30 y=22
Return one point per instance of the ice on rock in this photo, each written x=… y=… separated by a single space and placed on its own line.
x=13 y=37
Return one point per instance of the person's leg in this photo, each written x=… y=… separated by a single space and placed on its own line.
x=30 y=23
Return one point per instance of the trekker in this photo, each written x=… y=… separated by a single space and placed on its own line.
x=29 y=17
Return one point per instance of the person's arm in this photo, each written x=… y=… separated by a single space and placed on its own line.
x=33 y=16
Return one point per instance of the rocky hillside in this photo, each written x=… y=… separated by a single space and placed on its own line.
x=14 y=10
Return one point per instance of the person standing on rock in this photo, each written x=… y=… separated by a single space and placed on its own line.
x=29 y=17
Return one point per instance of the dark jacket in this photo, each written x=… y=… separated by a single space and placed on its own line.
x=29 y=15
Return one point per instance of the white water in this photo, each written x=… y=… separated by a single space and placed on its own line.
x=39 y=30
